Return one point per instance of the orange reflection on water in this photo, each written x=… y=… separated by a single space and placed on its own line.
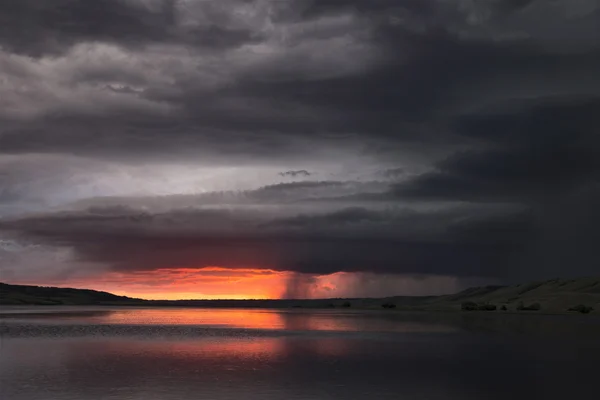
x=232 y=318
x=226 y=349
x=264 y=319
x=240 y=318
x=221 y=353
x=225 y=354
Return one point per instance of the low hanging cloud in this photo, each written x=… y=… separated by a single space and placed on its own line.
x=351 y=239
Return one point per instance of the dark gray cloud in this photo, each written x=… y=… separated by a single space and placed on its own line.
x=37 y=28
x=295 y=174
x=353 y=239
x=394 y=173
x=533 y=155
x=449 y=136
x=360 y=71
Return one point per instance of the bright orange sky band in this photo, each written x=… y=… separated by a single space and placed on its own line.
x=252 y=283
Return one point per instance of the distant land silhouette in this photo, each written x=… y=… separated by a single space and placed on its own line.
x=552 y=296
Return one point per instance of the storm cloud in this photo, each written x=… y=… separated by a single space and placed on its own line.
x=436 y=137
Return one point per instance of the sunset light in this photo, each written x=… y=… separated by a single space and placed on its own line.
x=299 y=199
x=186 y=283
x=218 y=283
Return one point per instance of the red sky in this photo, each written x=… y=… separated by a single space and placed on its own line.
x=250 y=283
x=190 y=283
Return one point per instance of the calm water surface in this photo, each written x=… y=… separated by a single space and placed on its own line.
x=184 y=354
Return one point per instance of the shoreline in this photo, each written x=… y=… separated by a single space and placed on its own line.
x=32 y=309
x=556 y=296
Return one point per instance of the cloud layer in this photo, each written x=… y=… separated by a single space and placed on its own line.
x=437 y=137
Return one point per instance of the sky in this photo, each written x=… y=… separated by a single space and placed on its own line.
x=298 y=148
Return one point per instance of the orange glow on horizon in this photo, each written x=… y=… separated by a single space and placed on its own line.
x=218 y=283
x=210 y=283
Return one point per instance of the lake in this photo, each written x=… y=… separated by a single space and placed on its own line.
x=183 y=354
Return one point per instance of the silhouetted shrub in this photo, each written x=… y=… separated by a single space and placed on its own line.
x=533 y=307
x=347 y=304
x=469 y=306
x=388 y=305
x=582 y=309
x=503 y=308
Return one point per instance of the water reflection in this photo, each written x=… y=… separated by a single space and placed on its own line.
x=446 y=367
x=171 y=369
x=289 y=320
x=339 y=355
x=235 y=318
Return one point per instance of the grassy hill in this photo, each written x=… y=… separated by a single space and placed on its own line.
x=553 y=296
x=39 y=295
